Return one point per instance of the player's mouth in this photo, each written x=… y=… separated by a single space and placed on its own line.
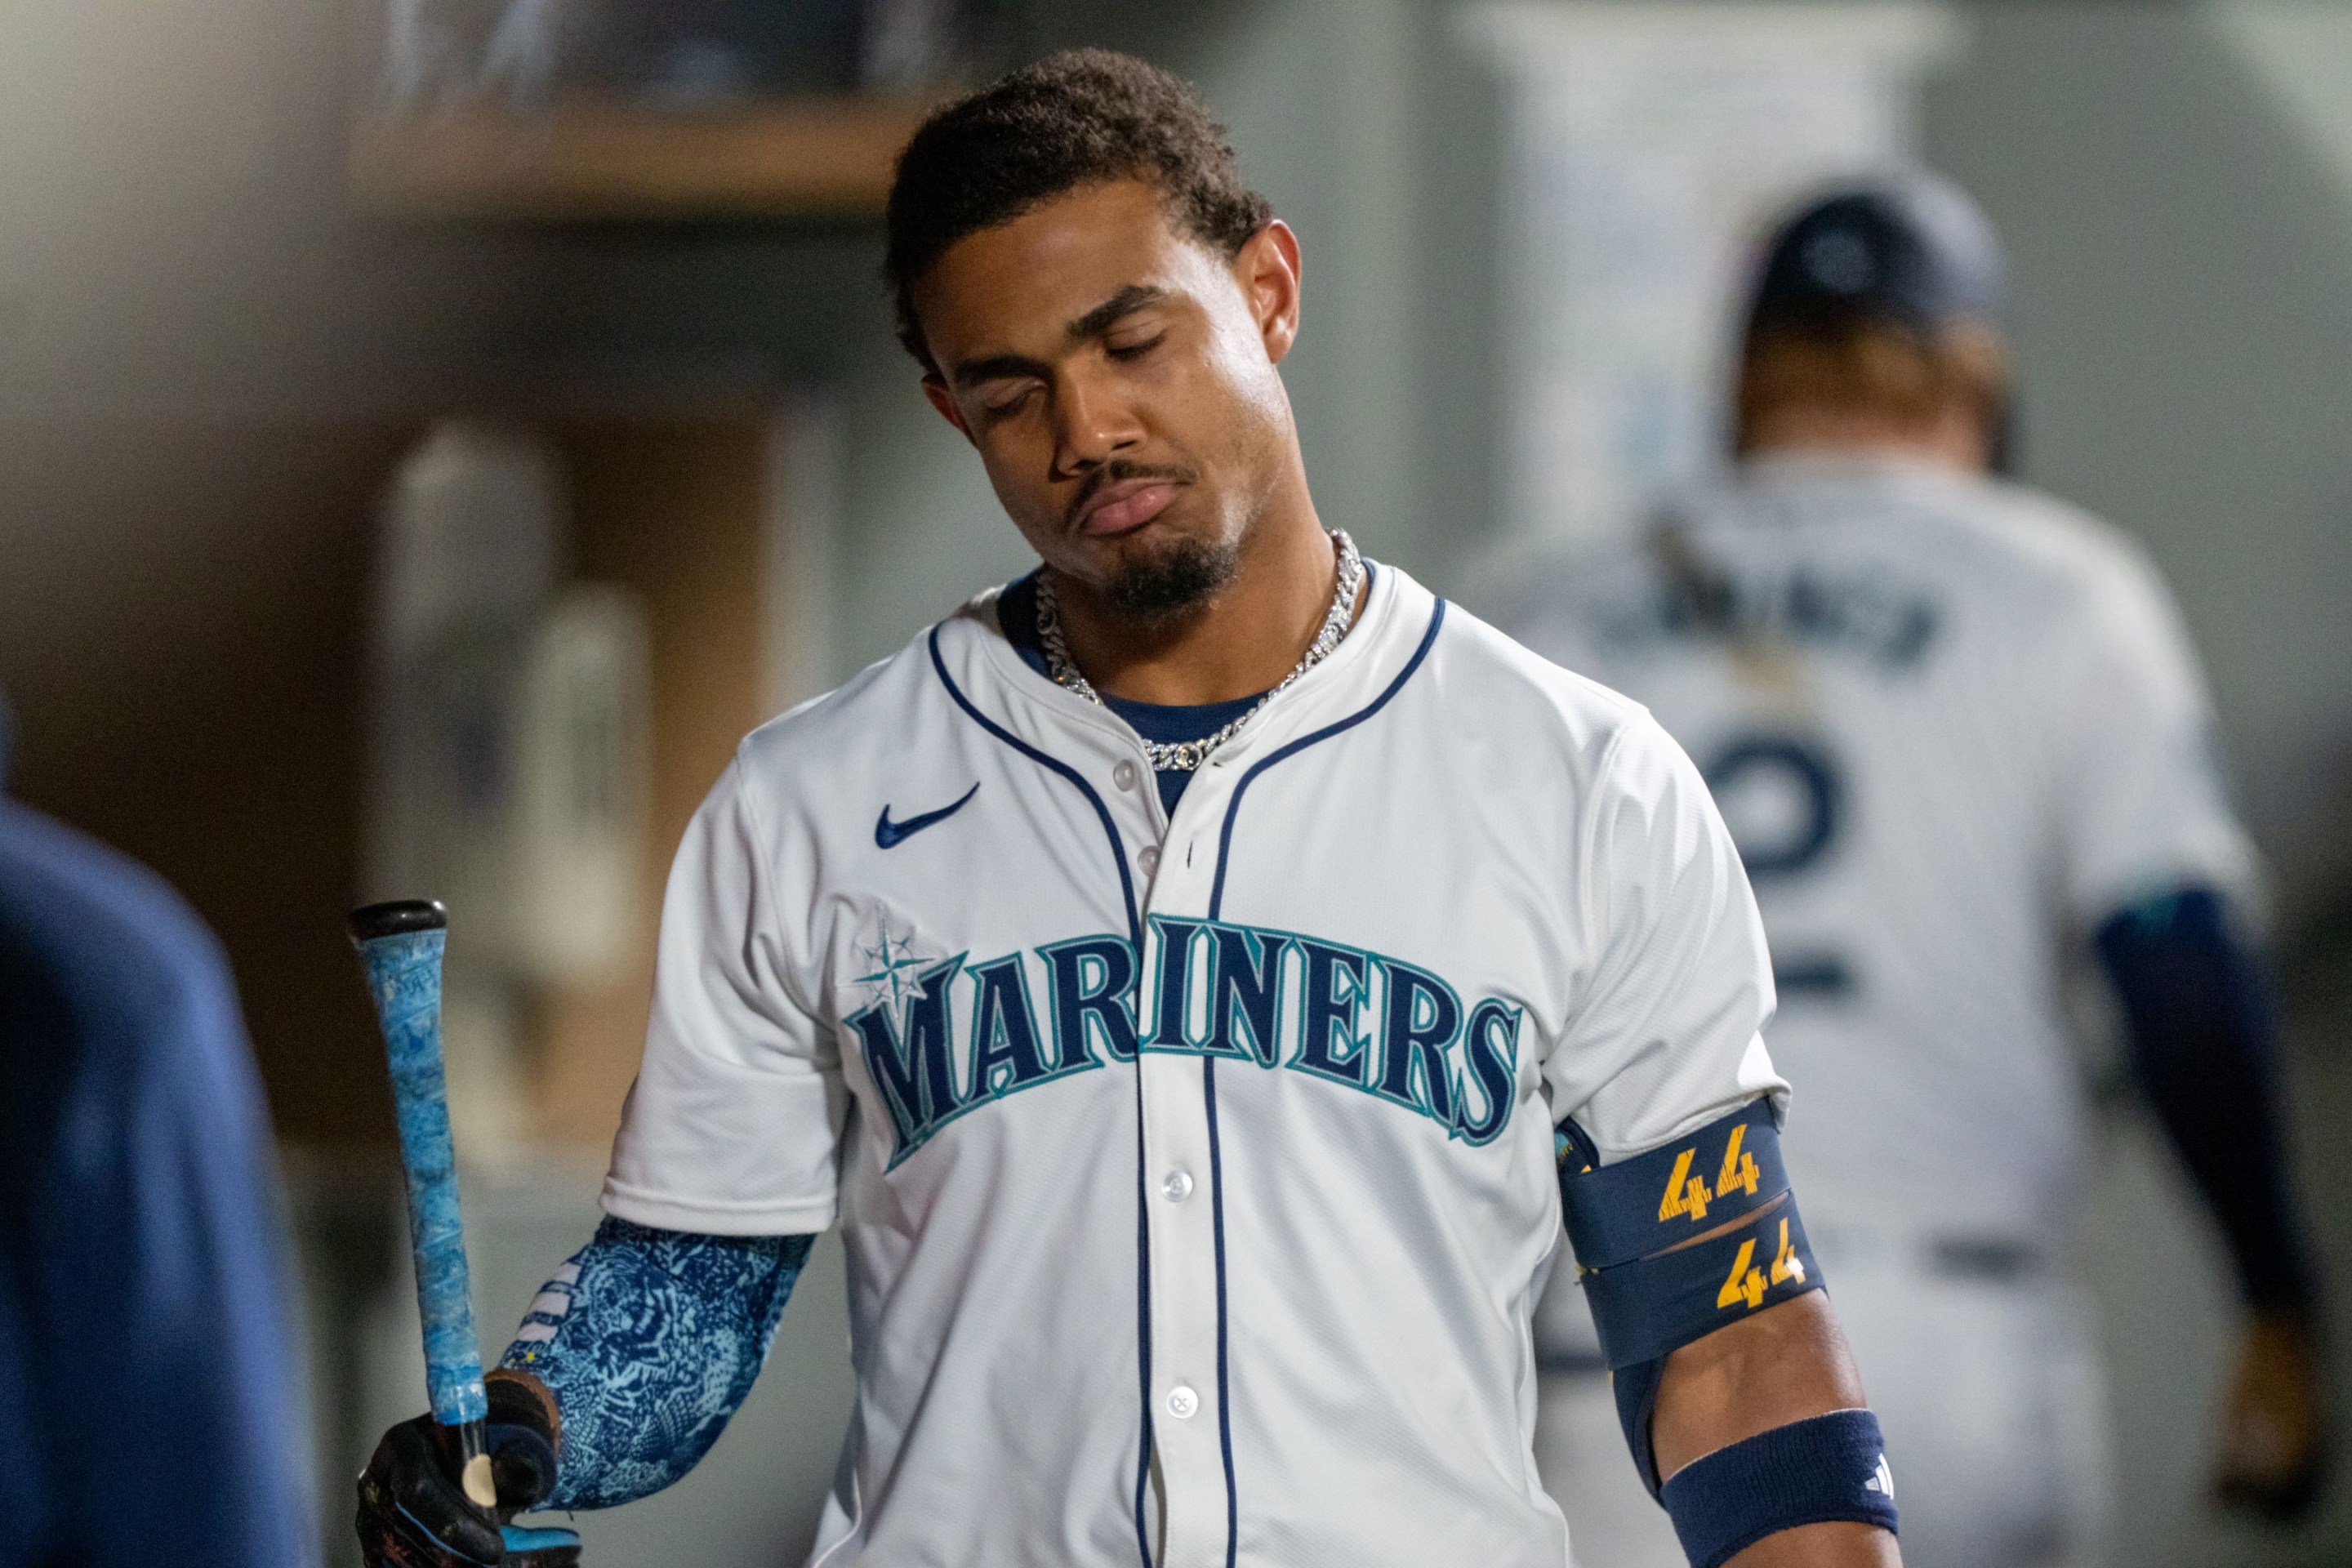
x=1106 y=510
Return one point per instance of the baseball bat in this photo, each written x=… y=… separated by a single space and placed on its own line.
x=401 y=944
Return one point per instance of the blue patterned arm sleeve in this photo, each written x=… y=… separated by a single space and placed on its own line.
x=650 y=1340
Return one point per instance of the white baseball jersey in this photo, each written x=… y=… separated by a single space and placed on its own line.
x=1196 y=1172
x=1956 y=724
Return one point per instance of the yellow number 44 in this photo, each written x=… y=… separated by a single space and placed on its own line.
x=1786 y=1264
x=1686 y=1194
x=1747 y=1282
x=1739 y=1174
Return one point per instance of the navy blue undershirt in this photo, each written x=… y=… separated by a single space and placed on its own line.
x=1163 y=724
x=2196 y=1008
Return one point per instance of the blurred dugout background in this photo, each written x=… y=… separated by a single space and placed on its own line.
x=290 y=304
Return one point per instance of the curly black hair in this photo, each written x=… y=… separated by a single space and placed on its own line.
x=1071 y=118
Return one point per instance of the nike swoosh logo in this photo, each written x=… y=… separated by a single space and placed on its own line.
x=889 y=834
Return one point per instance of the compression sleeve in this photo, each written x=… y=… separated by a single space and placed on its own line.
x=2202 y=1038
x=650 y=1340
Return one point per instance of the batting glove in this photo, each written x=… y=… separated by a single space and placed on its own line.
x=414 y=1514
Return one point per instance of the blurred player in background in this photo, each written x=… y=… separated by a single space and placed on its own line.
x=150 y=1413
x=1960 y=735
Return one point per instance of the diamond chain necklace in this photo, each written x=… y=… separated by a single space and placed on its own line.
x=1186 y=756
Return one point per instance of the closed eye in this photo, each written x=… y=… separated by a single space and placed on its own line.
x=1135 y=350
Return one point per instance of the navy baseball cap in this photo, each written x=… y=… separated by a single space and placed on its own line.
x=1914 y=251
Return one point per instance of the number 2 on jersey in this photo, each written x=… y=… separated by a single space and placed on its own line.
x=1783 y=798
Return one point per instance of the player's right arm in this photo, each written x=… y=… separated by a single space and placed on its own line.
x=624 y=1372
x=634 y=1357
x=1741 y=1407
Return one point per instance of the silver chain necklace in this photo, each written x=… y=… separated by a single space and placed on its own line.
x=1185 y=756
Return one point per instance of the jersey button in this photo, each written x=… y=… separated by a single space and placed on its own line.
x=1149 y=859
x=1123 y=775
x=1178 y=1186
x=1182 y=1403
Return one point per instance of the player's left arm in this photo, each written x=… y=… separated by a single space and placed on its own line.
x=2140 y=809
x=1743 y=1413
x=1741 y=1406
x=2202 y=1035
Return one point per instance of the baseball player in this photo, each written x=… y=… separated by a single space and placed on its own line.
x=1197 y=979
x=1960 y=736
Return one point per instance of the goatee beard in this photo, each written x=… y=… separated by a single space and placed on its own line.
x=1180 y=577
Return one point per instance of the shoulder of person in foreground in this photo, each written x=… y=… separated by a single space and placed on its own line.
x=107 y=937
x=863 y=718
x=144 y=1192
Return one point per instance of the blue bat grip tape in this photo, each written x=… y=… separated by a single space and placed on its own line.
x=518 y=1539
x=405 y=976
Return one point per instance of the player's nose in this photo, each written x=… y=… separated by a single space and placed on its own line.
x=1092 y=424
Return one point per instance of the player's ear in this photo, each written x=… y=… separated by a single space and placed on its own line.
x=1267 y=271
x=944 y=401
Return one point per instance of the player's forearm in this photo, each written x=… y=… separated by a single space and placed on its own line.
x=643 y=1345
x=1785 y=1364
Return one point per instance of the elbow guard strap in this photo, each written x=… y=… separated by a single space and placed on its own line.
x=1824 y=1470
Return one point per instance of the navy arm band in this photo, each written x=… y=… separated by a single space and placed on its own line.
x=1618 y=1212
x=1647 y=1310
x=1677 y=1243
x=1829 y=1469
x=1660 y=1249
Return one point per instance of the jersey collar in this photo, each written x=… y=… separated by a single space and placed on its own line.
x=1778 y=470
x=1384 y=636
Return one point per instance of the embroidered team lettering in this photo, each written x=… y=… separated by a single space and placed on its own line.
x=959 y=1036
